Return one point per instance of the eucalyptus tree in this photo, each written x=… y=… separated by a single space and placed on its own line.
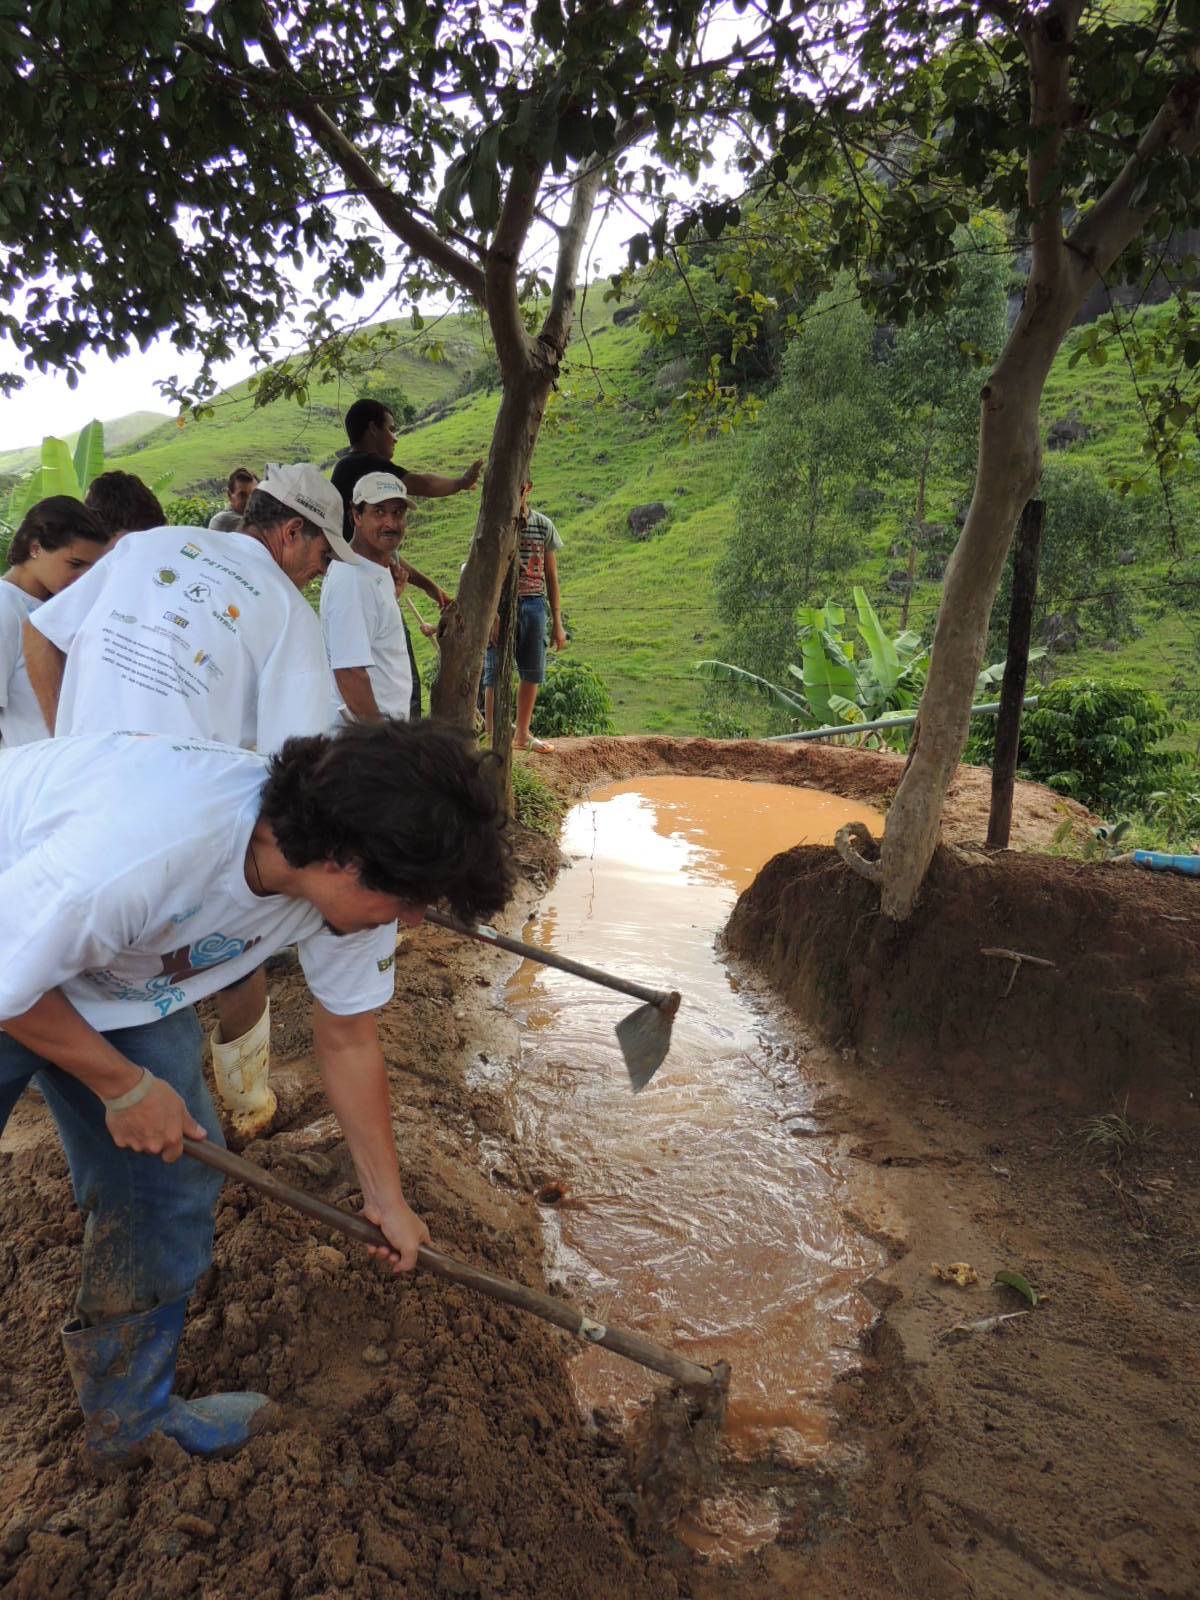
x=820 y=435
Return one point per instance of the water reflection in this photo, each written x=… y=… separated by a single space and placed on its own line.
x=690 y=1213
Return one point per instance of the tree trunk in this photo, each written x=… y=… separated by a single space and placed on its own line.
x=1016 y=670
x=1010 y=459
x=1062 y=273
x=502 y=698
x=528 y=370
x=465 y=624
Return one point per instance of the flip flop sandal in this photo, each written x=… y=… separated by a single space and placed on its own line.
x=538 y=747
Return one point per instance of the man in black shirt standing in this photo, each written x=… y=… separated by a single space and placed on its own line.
x=371 y=429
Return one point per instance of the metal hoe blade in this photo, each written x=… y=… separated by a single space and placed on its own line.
x=645 y=1037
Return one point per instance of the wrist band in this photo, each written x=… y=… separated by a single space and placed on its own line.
x=133 y=1096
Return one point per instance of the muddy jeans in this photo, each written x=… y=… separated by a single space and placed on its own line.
x=149 y=1226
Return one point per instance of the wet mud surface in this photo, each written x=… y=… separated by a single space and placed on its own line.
x=430 y=1444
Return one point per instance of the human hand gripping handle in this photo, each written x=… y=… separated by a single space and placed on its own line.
x=151 y=1118
x=403 y=1228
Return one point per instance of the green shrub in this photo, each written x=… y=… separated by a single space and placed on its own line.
x=1101 y=743
x=191 y=511
x=573 y=700
x=715 y=724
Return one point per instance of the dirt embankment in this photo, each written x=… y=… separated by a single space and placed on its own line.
x=430 y=1444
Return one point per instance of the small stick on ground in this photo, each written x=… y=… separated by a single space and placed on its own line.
x=1016 y=957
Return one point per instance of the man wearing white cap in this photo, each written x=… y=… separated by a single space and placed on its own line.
x=360 y=617
x=207 y=634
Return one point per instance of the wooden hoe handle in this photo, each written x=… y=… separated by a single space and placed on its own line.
x=511 y=1293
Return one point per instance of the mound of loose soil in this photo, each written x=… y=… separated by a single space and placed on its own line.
x=430 y=1443
x=1045 y=978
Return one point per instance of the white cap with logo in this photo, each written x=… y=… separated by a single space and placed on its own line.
x=300 y=487
x=373 y=488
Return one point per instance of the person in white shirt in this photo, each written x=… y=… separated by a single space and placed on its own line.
x=360 y=616
x=191 y=632
x=239 y=486
x=208 y=860
x=58 y=540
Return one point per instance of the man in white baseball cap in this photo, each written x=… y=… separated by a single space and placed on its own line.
x=205 y=634
x=360 y=617
x=301 y=488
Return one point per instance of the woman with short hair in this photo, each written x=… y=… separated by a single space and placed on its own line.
x=57 y=542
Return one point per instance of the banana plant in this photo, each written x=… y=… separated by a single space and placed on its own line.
x=60 y=472
x=838 y=688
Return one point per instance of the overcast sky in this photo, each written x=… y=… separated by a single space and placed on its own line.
x=111 y=389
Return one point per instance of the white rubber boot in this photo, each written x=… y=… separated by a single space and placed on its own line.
x=240 y=1068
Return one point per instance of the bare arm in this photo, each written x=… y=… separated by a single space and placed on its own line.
x=426 y=585
x=427 y=628
x=354 y=686
x=355 y=1079
x=45 y=663
x=558 y=636
x=436 y=485
x=54 y=1030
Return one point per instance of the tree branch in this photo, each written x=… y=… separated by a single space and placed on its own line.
x=1047 y=38
x=501 y=295
x=366 y=181
x=1113 y=222
x=570 y=247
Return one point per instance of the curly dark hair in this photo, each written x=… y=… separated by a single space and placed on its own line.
x=54 y=523
x=123 y=503
x=416 y=805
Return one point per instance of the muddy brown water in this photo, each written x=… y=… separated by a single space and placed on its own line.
x=701 y=1213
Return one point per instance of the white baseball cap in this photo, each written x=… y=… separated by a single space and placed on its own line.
x=300 y=487
x=373 y=488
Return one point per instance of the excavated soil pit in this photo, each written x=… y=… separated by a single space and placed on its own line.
x=432 y=1443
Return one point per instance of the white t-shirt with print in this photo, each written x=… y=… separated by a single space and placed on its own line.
x=123 y=882
x=361 y=621
x=187 y=631
x=21 y=720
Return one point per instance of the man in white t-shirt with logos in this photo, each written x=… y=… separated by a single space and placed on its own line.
x=360 y=617
x=149 y=871
x=207 y=633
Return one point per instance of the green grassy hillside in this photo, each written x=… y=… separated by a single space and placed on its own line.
x=639 y=612
x=199 y=454
x=120 y=431
x=642 y=612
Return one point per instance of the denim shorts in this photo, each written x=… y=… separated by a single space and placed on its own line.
x=531 y=644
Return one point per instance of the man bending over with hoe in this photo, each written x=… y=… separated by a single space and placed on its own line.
x=139 y=874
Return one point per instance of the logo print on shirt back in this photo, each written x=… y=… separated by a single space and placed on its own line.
x=197 y=592
x=173 y=616
x=165 y=577
x=191 y=551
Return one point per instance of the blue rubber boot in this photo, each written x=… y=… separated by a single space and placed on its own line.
x=123 y=1374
